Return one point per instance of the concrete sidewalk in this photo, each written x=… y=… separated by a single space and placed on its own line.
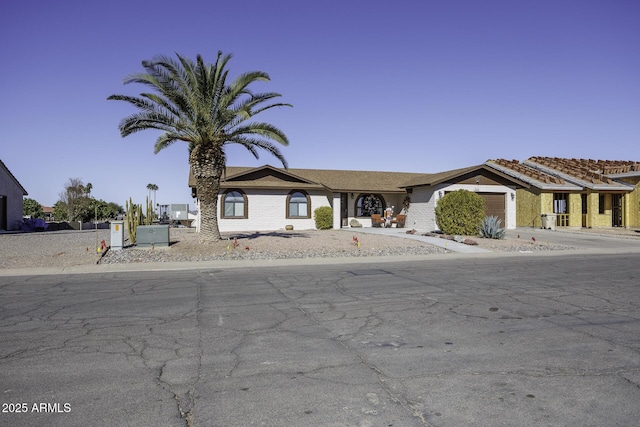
x=435 y=241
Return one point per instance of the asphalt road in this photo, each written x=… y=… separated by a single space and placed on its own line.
x=518 y=341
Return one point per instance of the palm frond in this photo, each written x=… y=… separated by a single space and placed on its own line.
x=265 y=130
x=252 y=143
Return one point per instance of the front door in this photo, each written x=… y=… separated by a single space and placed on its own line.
x=616 y=210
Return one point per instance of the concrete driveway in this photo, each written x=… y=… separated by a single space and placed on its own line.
x=586 y=240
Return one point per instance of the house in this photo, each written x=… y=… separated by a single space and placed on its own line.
x=48 y=213
x=579 y=192
x=11 y=197
x=269 y=198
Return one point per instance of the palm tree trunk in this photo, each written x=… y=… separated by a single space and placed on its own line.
x=207 y=189
x=207 y=165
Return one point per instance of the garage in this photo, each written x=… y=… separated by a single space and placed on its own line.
x=494 y=205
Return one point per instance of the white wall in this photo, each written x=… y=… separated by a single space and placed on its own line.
x=422 y=214
x=268 y=211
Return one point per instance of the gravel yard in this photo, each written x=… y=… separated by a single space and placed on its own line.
x=51 y=249
x=273 y=245
x=70 y=248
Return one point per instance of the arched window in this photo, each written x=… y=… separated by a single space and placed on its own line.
x=298 y=205
x=369 y=204
x=234 y=204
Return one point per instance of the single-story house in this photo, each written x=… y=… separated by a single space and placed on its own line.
x=269 y=198
x=11 y=199
x=579 y=192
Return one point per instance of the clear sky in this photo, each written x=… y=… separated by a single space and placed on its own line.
x=416 y=86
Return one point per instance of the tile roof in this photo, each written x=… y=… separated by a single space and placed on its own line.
x=526 y=171
x=578 y=168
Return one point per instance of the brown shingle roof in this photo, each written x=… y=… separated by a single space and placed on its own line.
x=333 y=180
x=440 y=177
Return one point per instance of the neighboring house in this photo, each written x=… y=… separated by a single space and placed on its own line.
x=269 y=198
x=581 y=193
x=11 y=197
x=48 y=213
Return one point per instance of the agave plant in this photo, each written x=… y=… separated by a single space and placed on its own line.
x=490 y=228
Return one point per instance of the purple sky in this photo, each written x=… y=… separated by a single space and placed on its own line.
x=417 y=86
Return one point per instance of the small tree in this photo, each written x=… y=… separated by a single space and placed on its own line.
x=60 y=211
x=32 y=208
x=76 y=196
x=460 y=212
x=323 y=216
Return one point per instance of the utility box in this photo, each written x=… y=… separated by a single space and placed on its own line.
x=548 y=221
x=117 y=235
x=148 y=236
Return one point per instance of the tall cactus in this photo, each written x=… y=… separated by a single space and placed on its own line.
x=148 y=218
x=134 y=218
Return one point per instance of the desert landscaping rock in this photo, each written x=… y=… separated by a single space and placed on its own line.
x=72 y=248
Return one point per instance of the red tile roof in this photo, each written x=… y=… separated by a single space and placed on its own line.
x=528 y=171
x=582 y=169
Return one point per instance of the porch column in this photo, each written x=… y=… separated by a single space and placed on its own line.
x=337 y=208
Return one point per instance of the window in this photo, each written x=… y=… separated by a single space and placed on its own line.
x=234 y=205
x=561 y=208
x=560 y=205
x=298 y=205
x=601 y=202
x=369 y=204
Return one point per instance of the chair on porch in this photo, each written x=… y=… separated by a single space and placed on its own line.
x=376 y=220
x=399 y=221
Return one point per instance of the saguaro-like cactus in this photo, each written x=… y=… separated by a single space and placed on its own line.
x=134 y=218
x=148 y=218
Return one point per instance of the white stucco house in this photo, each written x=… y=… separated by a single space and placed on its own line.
x=268 y=198
x=11 y=197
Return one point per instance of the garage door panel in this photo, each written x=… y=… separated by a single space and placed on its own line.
x=494 y=205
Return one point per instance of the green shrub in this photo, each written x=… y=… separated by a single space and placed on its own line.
x=460 y=212
x=323 y=217
x=490 y=228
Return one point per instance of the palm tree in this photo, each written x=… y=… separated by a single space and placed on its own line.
x=194 y=103
x=154 y=188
